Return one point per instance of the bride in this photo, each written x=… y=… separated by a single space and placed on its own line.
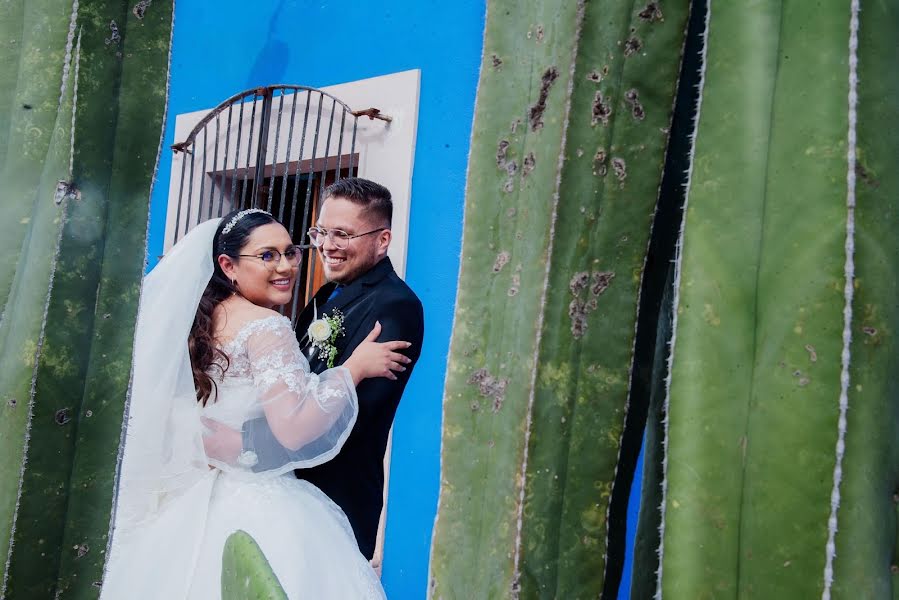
x=211 y=352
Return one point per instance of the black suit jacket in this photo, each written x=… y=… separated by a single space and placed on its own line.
x=354 y=479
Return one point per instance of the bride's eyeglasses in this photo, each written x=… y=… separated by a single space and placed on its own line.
x=341 y=239
x=272 y=258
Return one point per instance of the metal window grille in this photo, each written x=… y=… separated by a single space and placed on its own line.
x=276 y=148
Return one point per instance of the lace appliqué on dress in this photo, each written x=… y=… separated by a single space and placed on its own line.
x=277 y=360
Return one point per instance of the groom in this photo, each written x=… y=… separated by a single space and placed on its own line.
x=352 y=236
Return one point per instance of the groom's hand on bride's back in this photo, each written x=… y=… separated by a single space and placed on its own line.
x=221 y=443
x=377 y=359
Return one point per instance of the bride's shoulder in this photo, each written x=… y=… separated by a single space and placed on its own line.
x=240 y=320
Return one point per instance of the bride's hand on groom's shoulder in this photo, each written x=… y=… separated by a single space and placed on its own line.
x=221 y=443
x=377 y=359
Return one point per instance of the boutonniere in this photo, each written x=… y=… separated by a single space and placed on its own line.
x=323 y=333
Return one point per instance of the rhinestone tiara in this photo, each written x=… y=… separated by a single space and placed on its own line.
x=227 y=228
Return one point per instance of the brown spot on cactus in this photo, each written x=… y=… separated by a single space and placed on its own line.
x=511 y=167
x=509 y=186
x=869 y=331
x=516 y=282
x=601 y=110
x=599 y=163
x=594 y=76
x=540 y=33
x=497 y=61
x=475 y=406
x=12 y=402
x=140 y=9
x=601 y=281
x=62 y=416
x=515 y=125
x=501 y=150
x=530 y=161
x=579 y=282
x=81 y=550
x=652 y=12
x=619 y=167
x=862 y=173
x=114 y=36
x=535 y=114
x=633 y=100
x=812 y=355
x=578 y=314
x=490 y=387
x=502 y=259
x=632 y=45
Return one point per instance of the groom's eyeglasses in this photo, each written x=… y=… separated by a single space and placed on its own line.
x=340 y=238
x=272 y=258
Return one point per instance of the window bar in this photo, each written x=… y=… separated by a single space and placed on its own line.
x=224 y=181
x=309 y=179
x=190 y=192
x=324 y=175
x=271 y=186
x=340 y=143
x=307 y=201
x=246 y=172
x=293 y=115
x=265 y=120
x=236 y=157
x=310 y=285
x=202 y=177
x=296 y=187
x=184 y=153
x=353 y=145
x=215 y=160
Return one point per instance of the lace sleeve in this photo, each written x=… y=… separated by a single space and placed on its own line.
x=307 y=416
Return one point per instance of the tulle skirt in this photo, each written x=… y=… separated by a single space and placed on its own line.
x=304 y=535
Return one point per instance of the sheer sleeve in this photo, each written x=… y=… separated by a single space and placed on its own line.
x=307 y=417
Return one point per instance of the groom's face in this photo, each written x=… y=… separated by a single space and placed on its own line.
x=344 y=265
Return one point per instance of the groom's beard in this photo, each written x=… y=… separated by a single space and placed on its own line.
x=355 y=265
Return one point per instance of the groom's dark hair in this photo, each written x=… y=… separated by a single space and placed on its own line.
x=373 y=197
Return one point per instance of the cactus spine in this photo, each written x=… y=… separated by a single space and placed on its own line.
x=572 y=117
x=246 y=572
x=70 y=389
x=773 y=350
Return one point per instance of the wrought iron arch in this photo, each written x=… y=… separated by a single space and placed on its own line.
x=275 y=147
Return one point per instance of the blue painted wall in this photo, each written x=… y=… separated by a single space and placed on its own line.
x=223 y=46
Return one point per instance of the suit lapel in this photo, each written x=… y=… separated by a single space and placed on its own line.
x=344 y=301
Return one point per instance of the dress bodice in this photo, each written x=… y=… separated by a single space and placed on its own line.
x=235 y=400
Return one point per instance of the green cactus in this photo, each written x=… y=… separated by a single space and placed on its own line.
x=781 y=263
x=66 y=360
x=572 y=119
x=246 y=573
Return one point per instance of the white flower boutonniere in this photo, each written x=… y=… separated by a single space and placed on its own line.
x=323 y=333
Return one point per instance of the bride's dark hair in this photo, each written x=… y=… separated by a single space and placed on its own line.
x=201 y=341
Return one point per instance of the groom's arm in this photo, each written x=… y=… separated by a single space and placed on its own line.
x=401 y=318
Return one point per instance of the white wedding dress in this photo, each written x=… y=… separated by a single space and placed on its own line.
x=174 y=512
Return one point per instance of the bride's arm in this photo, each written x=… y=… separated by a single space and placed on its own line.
x=306 y=416
x=299 y=406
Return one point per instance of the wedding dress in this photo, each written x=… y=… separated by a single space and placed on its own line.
x=174 y=512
